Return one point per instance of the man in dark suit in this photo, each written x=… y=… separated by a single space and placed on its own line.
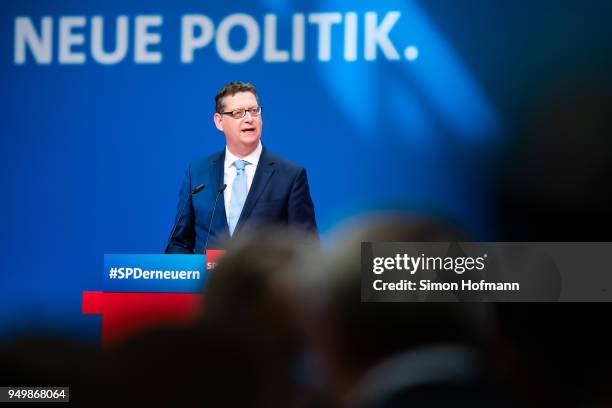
x=261 y=188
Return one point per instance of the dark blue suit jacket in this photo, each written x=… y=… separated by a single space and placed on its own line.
x=279 y=195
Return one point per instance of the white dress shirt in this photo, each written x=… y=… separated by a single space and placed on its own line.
x=229 y=172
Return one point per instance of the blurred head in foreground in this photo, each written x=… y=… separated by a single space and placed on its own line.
x=370 y=352
x=241 y=293
x=244 y=302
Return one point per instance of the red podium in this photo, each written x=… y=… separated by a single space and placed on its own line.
x=127 y=313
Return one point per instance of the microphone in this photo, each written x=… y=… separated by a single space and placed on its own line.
x=212 y=216
x=195 y=190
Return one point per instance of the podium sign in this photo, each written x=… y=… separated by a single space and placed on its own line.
x=143 y=291
x=154 y=273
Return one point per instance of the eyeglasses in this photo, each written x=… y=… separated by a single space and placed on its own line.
x=241 y=113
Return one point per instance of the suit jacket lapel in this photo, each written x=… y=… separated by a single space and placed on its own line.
x=216 y=171
x=265 y=169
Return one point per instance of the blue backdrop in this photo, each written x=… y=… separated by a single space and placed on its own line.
x=387 y=104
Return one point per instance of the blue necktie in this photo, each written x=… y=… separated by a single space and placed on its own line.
x=239 y=193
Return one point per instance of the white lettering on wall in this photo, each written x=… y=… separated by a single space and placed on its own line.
x=107 y=40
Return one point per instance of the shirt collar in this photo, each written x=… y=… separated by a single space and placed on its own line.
x=251 y=158
x=450 y=363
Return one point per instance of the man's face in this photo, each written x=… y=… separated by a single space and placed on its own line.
x=242 y=135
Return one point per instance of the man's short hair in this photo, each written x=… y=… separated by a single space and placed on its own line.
x=230 y=89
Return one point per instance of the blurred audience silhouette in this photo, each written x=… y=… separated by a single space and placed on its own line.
x=283 y=325
x=391 y=354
